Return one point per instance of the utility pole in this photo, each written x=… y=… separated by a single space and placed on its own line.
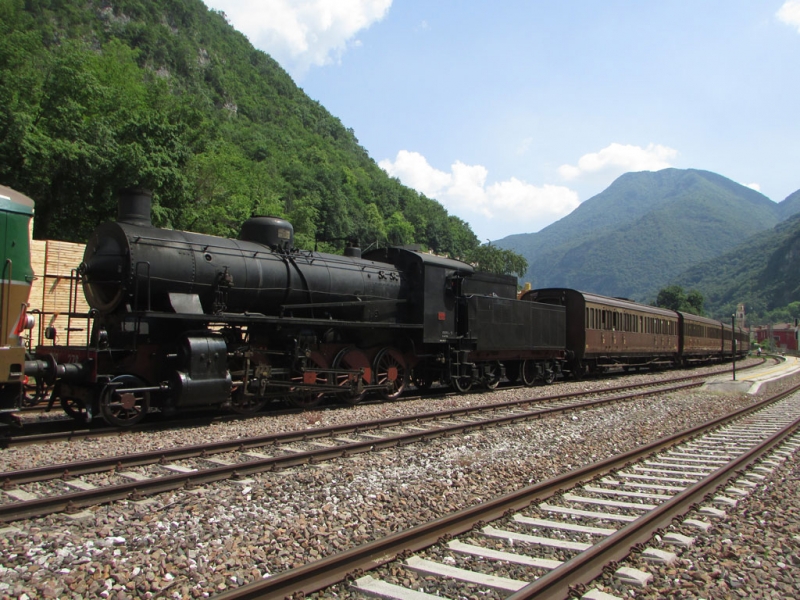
x=733 y=343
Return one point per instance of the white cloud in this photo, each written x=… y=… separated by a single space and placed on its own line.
x=300 y=34
x=623 y=158
x=753 y=186
x=789 y=13
x=520 y=206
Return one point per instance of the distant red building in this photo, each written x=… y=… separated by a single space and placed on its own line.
x=784 y=335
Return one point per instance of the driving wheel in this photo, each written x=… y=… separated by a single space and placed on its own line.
x=312 y=374
x=352 y=359
x=390 y=370
x=121 y=404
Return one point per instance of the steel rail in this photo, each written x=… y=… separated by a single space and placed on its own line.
x=201 y=450
x=10 y=439
x=588 y=565
x=350 y=564
x=136 y=489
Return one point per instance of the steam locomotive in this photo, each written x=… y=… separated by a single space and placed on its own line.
x=183 y=321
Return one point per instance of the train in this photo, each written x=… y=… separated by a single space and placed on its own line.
x=16 y=213
x=181 y=321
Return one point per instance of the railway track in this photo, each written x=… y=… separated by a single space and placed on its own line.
x=561 y=534
x=66 y=429
x=69 y=487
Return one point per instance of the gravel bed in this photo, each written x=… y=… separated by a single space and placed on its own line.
x=754 y=552
x=195 y=543
x=26 y=457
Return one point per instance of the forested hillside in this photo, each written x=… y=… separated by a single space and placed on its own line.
x=102 y=95
x=762 y=274
x=790 y=206
x=642 y=231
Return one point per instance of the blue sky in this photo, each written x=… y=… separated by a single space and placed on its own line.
x=510 y=113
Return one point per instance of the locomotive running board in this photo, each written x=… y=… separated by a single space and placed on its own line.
x=245 y=318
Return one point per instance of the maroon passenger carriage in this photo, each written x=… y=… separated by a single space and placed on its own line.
x=604 y=332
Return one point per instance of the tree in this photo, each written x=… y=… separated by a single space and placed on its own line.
x=398 y=230
x=674 y=298
x=695 y=301
x=492 y=259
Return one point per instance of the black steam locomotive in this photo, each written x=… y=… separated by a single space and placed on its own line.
x=182 y=320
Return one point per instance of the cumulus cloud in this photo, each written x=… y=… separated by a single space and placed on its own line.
x=620 y=157
x=300 y=34
x=465 y=193
x=753 y=186
x=789 y=13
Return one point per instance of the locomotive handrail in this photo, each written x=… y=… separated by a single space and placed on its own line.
x=73 y=304
x=344 y=304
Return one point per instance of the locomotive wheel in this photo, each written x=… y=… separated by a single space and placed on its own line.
x=352 y=359
x=127 y=408
x=528 y=373
x=76 y=409
x=390 y=368
x=513 y=371
x=421 y=379
x=491 y=375
x=35 y=390
x=549 y=375
x=462 y=384
x=246 y=405
x=306 y=398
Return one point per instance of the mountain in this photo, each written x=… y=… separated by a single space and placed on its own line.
x=642 y=231
x=790 y=205
x=167 y=95
x=761 y=273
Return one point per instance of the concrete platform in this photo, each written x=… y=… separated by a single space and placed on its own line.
x=758 y=379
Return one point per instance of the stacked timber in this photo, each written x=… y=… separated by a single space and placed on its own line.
x=56 y=292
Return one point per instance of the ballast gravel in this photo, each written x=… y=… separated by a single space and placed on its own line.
x=196 y=543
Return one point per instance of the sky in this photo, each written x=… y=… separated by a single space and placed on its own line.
x=511 y=113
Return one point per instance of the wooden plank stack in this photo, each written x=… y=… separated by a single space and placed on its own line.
x=54 y=264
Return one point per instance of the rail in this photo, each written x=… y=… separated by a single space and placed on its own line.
x=320 y=574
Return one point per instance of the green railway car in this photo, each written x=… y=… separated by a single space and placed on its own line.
x=16 y=215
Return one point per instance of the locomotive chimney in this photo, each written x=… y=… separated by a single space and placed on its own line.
x=134 y=207
x=352 y=249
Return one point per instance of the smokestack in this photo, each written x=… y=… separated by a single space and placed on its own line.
x=134 y=207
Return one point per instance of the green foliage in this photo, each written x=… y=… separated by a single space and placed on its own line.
x=496 y=260
x=674 y=298
x=100 y=96
x=761 y=273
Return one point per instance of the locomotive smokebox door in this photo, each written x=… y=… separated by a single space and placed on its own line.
x=204 y=378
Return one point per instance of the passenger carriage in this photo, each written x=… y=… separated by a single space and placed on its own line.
x=604 y=333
